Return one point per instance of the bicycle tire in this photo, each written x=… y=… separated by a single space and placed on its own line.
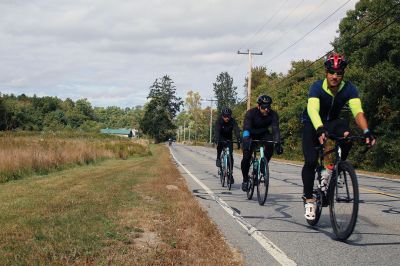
x=221 y=174
x=339 y=200
x=250 y=184
x=229 y=173
x=263 y=182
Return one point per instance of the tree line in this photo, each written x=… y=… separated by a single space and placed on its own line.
x=53 y=114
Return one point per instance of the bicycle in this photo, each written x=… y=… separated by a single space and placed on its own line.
x=341 y=193
x=260 y=173
x=225 y=169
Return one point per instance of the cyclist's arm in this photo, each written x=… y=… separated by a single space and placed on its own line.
x=237 y=130
x=217 y=131
x=361 y=121
x=247 y=124
x=313 y=106
x=275 y=128
x=358 y=113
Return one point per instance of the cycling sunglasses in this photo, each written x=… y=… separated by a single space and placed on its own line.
x=338 y=73
x=265 y=107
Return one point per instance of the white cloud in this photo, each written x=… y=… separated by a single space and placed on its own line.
x=111 y=51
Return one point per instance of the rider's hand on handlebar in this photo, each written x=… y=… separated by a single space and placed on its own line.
x=369 y=138
x=322 y=134
x=278 y=148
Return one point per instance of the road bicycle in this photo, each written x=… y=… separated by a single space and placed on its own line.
x=259 y=176
x=225 y=169
x=341 y=193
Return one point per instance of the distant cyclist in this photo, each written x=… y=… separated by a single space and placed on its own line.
x=224 y=126
x=256 y=126
x=326 y=99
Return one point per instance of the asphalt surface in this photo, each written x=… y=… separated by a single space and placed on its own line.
x=277 y=233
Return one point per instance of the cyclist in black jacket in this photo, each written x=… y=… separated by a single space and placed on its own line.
x=255 y=126
x=224 y=126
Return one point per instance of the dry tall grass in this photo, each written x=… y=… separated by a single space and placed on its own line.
x=23 y=155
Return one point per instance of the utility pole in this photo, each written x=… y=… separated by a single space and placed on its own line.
x=211 y=104
x=249 y=77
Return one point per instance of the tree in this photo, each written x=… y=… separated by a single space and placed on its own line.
x=224 y=91
x=193 y=104
x=370 y=38
x=157 y=121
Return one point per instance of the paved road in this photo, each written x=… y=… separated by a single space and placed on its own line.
x=277 y=233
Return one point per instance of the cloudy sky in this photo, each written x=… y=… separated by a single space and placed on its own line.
x=111 y=51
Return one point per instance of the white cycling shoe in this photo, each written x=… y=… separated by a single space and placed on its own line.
x=310 y=208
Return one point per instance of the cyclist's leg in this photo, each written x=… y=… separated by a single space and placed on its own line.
x=245 y=164
x=231 y=154
x=219 y=151
x=309 y=142
x=268 y=147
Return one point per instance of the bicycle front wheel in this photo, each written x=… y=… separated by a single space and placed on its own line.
x=263 y=182
x=343 y=201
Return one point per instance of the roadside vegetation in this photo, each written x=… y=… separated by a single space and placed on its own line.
x=23 y=154
x=118 y=212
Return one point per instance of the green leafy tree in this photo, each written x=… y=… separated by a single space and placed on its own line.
x=224 y=91
x=159 y=113
x=370 y=38
x=193 y=106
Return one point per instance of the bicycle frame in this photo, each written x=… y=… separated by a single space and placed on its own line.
x=338 y=194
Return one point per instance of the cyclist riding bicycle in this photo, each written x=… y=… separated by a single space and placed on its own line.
x=326 y=99
x=224 y=126
x=256 y=127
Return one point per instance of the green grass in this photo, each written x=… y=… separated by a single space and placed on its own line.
x=63 y=216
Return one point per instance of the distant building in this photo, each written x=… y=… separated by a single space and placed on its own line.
x=121 y=132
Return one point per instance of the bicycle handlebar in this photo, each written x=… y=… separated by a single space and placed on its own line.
x=227 y=141
x=267 y=141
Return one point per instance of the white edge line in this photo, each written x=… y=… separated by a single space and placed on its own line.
x=267 y=244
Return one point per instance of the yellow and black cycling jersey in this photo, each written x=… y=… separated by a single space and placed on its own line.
x=323 y=106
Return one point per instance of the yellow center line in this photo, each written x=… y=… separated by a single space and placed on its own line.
x=379 y=192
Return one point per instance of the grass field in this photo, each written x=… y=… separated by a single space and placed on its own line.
x=120 y=212
x=22 y=155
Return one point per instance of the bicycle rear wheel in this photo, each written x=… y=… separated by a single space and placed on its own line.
x=263 y=182
x=229 y=173
x=222 y=173
x=343 y=201
x=250 y=184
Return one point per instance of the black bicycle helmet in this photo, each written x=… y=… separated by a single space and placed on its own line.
x=335 y=62
x=264 y=101
x=226 y=112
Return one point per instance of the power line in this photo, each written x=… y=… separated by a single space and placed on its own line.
x=305 y=35
x=298 y=23
x=263 y=26
x=280 y=22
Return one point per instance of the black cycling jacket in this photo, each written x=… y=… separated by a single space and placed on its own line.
x=257 y=124
x=223 y=131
